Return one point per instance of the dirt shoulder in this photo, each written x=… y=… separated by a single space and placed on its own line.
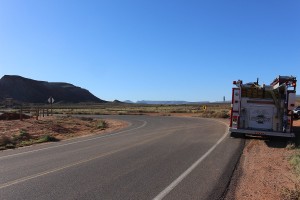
x=264 y=171
x=16 y=133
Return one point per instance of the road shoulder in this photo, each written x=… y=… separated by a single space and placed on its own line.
x=264 y=171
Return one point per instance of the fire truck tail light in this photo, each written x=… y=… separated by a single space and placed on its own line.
x=235 y=122
x=294 y=84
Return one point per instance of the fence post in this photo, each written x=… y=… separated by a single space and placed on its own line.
x=37 y=114
x=21 y=113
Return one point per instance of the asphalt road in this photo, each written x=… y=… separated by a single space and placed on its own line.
x=154 y=158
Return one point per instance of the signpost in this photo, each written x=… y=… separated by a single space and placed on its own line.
x=51 y=101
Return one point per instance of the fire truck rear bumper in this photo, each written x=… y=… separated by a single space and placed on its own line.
x=262 y=133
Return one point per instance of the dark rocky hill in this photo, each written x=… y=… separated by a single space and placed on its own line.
x=31 y=91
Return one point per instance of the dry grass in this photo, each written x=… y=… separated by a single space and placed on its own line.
x=212 y=110
x=294 y=160
x=290 y=194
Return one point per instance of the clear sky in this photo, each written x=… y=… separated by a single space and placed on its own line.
x=151 y=49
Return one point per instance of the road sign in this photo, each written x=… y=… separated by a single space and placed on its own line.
x=51 y=100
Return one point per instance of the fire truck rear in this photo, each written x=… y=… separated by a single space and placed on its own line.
x=263 y=109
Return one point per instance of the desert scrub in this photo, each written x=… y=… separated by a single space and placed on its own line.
x=290 y=194
x=46 y=138
x=23 y=135
x=42 y=139
x=293 y=194
x=223 y=114
x=295 y=162
x=4 y=140
x=215 y=114
x=6 y=143
x=101 y=124
x=16 y=140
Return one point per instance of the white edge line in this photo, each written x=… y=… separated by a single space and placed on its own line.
x=8 y=184
x=94 y=138
x=169 y=188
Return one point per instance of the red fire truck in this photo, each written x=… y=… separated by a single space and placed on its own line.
x=263 y=109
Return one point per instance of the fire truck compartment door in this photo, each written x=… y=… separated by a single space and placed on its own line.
x=292 y=101
x=261 y=117
x=236 y=100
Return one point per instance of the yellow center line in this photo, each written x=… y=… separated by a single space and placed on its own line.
x=8 y=184
x=78 y=163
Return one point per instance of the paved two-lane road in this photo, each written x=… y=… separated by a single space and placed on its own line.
x=154 y=158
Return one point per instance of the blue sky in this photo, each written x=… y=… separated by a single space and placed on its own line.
x=151 y=50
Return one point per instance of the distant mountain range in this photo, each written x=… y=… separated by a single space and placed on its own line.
x=179 y=102
x=128 y=101
x=165 y=102
x=31 y=91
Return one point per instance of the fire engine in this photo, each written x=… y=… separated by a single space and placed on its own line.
x=264 y=110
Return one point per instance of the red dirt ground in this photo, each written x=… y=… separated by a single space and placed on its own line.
x=264 y=171
x=58 y=127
